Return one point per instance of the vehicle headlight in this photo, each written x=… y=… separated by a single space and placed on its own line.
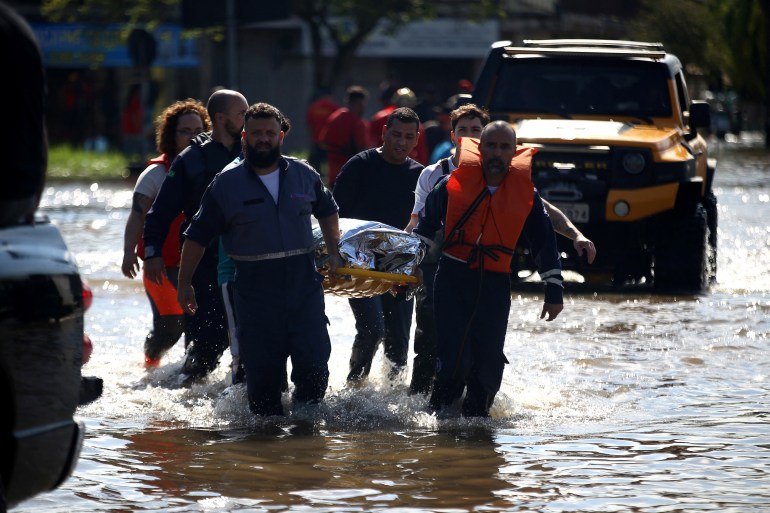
x=633 y=163
x=621 y=208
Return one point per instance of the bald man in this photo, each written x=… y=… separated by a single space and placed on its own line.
x=191 y=172
x=485 y=206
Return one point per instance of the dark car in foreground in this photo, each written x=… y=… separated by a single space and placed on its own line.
x=42 y=349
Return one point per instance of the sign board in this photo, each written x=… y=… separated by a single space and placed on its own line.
x=90 y=45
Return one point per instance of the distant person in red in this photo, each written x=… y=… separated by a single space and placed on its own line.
x=346 y=132
x=403 y=97
x=377 y=121
x=316 y=116
x=132 y=124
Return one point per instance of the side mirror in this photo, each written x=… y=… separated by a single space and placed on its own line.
x=700 y=114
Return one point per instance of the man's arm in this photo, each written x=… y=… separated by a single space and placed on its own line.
x=133 y=232
x=330 y=229
x=168 y=204
x=539 y=232
x=192 y=253
x=563 y=226
x=421 y=192
x=346 y=187
x=434 y=213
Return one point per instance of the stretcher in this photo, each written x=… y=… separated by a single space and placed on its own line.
x=352 y=282
x=377 y=258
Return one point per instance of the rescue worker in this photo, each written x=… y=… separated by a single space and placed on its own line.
x=467 y=121
x=176 y=126
x=378 y=185
x=486 y=204
x=181 y=191
x=261 y=207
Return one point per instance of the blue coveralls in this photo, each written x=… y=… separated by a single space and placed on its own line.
x=278 y=294
x=181 y=191
x=471 y=308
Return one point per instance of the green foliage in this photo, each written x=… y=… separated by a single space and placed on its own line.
x=109 y=11
x=725 y=39
x=347 y=24
x=745 y=28
x=72 y=164
x=688 y=28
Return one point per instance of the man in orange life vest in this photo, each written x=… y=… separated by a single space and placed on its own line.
x=485 y=205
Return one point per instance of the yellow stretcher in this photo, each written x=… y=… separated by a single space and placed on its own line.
x=363 y=282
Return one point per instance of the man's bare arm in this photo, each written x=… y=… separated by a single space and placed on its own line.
x=563 y=226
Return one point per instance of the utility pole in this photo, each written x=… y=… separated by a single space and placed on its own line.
x=766 y=10
x=232 y=44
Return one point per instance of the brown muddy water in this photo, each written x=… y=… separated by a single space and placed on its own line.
x=631 y=402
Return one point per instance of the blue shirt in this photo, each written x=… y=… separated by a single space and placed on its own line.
x=238 y=206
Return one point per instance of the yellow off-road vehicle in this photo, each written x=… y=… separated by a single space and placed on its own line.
x=618 y=152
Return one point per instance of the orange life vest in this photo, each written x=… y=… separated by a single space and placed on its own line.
x=172 y=246
x=486 y=235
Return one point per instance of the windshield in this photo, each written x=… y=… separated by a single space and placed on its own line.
x=571 y=87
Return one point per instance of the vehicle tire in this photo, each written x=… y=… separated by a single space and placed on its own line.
x=681 y=254
x=712 y=213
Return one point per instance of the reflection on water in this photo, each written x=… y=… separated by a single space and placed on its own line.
x=630 y=402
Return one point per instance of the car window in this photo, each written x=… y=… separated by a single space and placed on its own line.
x=581 y=87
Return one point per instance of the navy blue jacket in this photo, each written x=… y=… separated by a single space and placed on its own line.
x=239 y=207
x=537 y=232
x=181 y=191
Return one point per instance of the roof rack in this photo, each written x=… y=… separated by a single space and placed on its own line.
x=596 y=47
x=592 y=43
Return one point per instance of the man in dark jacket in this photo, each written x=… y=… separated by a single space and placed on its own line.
x=378 y=185
x=190 y=174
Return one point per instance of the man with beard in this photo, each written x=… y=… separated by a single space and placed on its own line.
x=261 y=207
x=484 y=206
x=191 y=172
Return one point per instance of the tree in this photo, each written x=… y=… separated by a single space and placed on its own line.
x=690 y=29
x=347 y=24
x=138 y=11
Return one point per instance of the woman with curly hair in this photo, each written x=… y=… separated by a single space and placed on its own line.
x=175 y=128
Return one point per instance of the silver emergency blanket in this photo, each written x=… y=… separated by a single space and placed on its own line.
x=374 y=246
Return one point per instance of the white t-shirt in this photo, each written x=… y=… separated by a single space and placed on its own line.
x=150 y=180
x=271 y=181
x=428 y=179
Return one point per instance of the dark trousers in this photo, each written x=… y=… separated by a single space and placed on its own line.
x=385 y=318
x=206 y=331
x=424 y=334
x=471 y=310
x=280 y=305
x=166 y=327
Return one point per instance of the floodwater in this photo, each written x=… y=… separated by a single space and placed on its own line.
x=633 y=402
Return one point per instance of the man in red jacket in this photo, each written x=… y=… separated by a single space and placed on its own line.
x=316 y=116
x=345 y=133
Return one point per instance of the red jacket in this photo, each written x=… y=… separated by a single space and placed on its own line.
x=317 y=115
x=344 y=135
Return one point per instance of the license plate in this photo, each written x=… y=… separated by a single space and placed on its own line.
x=576 y=212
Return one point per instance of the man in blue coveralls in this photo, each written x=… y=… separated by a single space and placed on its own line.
x=261 y=207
